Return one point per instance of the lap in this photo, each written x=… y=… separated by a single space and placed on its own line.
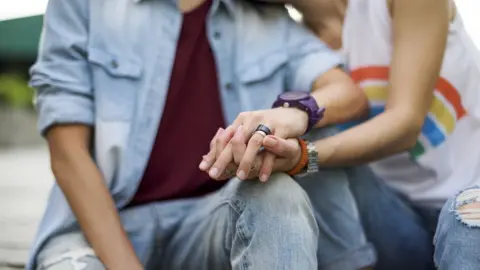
x=205 y=233
x=242 y=224
x=398 y=231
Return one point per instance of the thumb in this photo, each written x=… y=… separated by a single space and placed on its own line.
x=280 y=147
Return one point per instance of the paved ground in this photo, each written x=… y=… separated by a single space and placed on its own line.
x=25 y=180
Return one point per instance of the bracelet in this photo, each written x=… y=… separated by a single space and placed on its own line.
x=303 y=159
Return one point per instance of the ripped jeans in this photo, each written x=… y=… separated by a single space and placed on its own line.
x=457 y=242
x=283 y=224
x=417 y=238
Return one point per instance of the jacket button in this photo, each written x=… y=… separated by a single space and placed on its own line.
x=217 y=35
x=114 y=64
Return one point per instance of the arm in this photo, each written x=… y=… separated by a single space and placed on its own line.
x=420 y=31
x=341 y=97
x=324 y=18
x=311 y=66
x=315 y=67
x=87 y=195
x=65 y=107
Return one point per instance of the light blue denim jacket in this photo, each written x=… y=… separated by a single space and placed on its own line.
x=107 y=64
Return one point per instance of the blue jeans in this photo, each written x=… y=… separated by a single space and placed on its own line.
x=403 y=234
x=308 y=224
x=246 y=225
x=457 y=242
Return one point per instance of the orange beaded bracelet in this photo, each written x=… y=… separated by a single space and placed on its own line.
x=303 y=159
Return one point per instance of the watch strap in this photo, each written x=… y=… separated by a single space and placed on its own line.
x=312 y=164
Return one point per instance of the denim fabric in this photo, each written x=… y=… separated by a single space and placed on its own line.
x=401 y=232
x=245 y=225
x=107 y=64
x=457 y=238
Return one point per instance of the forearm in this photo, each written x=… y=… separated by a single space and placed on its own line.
x=373 y=140
x=91 y=202
x=342 y=99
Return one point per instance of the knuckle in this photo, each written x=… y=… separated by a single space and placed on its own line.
x=257 y=117
x=236 y=141
x=243 y=115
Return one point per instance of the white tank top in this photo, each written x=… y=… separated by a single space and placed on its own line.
x=446 y=157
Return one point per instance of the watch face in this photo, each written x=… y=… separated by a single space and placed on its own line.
x=292 y=96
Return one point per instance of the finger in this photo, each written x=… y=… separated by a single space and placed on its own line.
x=224 y=139
x=269 y=161
x=229 y=172
x=221 y=163
x=255 y=169
x=246 y=163
x=209 y=158
x=279 y=147
x=238 y=145
x=267 y=166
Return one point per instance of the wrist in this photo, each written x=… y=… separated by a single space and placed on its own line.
x=327 y=149
x=304 y=102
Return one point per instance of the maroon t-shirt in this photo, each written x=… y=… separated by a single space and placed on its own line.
x=191 y=117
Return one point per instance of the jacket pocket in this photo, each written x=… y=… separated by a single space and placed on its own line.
x=116 y=82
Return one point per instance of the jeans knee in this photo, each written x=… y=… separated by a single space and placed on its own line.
x=467 y=207
x=280 y=195
x=75 y=259
x=279 y=204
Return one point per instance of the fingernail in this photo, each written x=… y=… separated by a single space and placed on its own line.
x=203 y=165
x=241 y=175
x=263 y=177
x=220 y=131
x=213 y=172
x=269 y=141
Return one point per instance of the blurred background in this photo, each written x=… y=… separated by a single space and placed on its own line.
x=25 y=175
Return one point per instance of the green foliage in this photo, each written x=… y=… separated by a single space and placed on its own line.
x=14 y=91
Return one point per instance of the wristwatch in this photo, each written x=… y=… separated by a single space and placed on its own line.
x=312 y=164
x=302 y=101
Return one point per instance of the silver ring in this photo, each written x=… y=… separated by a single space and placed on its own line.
x=261 y=132
x=264 y=129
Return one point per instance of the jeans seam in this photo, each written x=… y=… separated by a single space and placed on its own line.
x=240 y=228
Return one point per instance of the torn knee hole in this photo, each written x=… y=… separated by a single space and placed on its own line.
x=468 y=207
x=77 y=259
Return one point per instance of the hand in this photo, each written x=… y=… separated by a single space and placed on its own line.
x=289 y=150
x=287 y=153
x=283 y=122
x=231 y=154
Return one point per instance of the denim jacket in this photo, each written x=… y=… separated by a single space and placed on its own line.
x=107 y=64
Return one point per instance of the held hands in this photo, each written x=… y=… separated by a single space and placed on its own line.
x=237 y=149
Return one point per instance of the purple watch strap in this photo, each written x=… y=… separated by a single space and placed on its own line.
x=303 y=101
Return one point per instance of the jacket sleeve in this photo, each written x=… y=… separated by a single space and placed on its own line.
x=61 y=75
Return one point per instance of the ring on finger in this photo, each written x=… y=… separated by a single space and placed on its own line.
x=263 y=130
x=254 y=167
x=229 y=172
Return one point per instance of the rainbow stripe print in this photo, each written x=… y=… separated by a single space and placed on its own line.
x=444 y=113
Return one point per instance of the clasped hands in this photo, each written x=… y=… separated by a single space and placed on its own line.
x=240 y=151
